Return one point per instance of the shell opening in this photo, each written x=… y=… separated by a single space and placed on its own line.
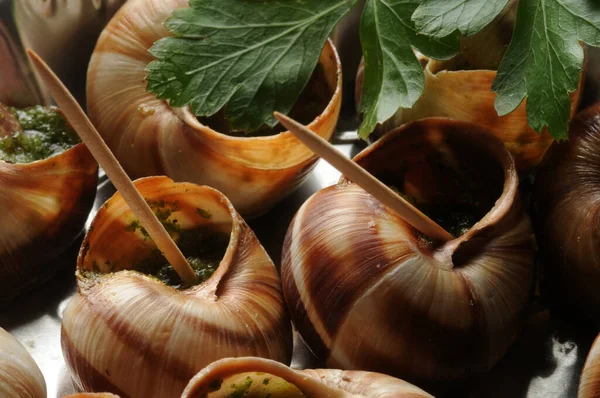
x=310 y=104
x=202 y=229
x=447 y=177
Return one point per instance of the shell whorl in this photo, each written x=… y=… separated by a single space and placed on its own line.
x=151 y=138
x=43 y=207
x=19 y=374
x=121 y=317
x=309 y=382
x=433 y=312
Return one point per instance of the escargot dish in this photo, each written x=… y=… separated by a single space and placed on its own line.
x=367 y=291
x=589 y=381
x=19 y=374
x=461 y=88
x=134 y=329
x=258 y=377
x=151 y=138
x=566 y=211
x=47 y=188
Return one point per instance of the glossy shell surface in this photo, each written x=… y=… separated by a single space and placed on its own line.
x=19 y=374
x=151 y=138
x=269 y=378
x=43 y=208
x=130 y=334
x=567 y=215
x=434 y=311
x=589 y=382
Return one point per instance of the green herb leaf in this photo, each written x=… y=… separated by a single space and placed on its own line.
x=251 y=57
x=439 y=18
x=393 y=76
x=544 y=60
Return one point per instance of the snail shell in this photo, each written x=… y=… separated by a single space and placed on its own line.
x=130 y=334
x=43 y=207
x=151 y=138
x=272 y=379
x=567 y=210
x=433 y=311
x=19 y=374
x=589 y=381
x=467 y=94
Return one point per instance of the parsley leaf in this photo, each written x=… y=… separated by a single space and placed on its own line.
x=393 y=76
x=544 y=60
x=439 y=18
x=251 y=57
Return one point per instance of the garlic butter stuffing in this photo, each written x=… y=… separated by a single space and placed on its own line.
x=260 y=378
x=132 y=305
x=204 y=247
x=47 y=188
x=34 y=133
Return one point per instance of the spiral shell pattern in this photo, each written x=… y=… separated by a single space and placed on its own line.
x=306 y=383
x=151 y=138
x=567 y=213
x=130 y=334
x=367 y=291
x=19 y=374
x=43 y=207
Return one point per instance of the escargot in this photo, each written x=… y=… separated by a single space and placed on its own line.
x=259 y=377
x=47 y=188
x=461 y=88
x=367 y=291
x=134 y=330
x=566 y=215
x=151 y=138
x=19 y=374
x=589 y=381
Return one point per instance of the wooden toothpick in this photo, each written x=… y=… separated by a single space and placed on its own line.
x=366 y=181
x=105 y=158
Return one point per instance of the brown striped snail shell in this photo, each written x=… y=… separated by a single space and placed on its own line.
x=589 y=381
x=151 y=138
x=43 y=208
x=131 y=334
x=464 y=92
x=262 y=377
x=367 y=291
x=566 y=211
x=19 y=374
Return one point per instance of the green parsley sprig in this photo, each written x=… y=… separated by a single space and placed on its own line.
x=253 y=57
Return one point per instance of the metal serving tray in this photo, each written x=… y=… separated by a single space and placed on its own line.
x=545 y=362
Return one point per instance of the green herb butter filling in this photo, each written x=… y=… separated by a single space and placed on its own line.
x=252 y=385
x=44 y=132
x=204 y=249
